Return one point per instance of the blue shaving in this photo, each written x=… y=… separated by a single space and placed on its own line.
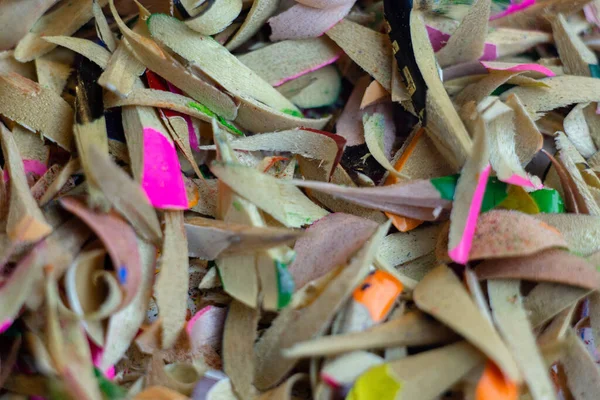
x=122 y=273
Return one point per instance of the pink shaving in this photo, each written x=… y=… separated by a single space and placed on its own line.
x=5 y=325
x=97 y=360
x=161 y=176
x=460 y=253
x=590 y=14
x=513 y=8
x=518 y=180
x=192 y=134
x=439 y=39
x=306 y=71
x=190 y=324
x=490 y=52
x=190 y=126
x=522 y=67
x=31 y=167
x=330 y=381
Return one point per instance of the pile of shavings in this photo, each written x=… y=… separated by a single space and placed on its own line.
x=299 y=199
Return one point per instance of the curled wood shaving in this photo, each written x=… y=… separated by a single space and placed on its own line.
x=301 y=324
x=442 y=295
x=365 y=47
x=87 y=48
x=284 y=202
x=583 y=375
x=216 y=18
x=581 y=232
x=121 y=71
x=560 y=91
x=467 y=41
x=171 y=285
x=119 y=240
x=25 y=221
x=546 y=267
x=301 y=21
x=125 y=195
x=528 y=139
x=411 y=329
x=208 y=239
x=374 y=126
x=66 y=19
x=301 y=57
x=215 y=61
x=500 y=234
x=238 y=348
x=546 y=300
x=329 y=242
x=511 y=318
x=260 y=11
x=578 y=132
x=102 y=28
x=53 y=117
x=150 y=54
x=443 y=126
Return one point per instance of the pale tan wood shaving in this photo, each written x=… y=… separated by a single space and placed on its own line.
x=443 y=296
x=25 y=221
x=467 y=41
x=66 y=19
x=511 y=318
x=218 y=17
x=52 y=116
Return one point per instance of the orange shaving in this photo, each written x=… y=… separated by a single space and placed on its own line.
x=377 y=293
x=274 y=160
x=493 y=385
x=193 y=194
x=404 y=224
